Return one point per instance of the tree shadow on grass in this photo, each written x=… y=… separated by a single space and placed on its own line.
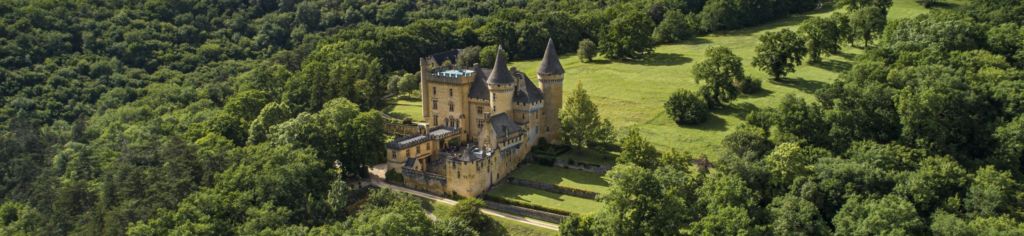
x=833 y=65
x=695 y=41
x=598 y=61
x=714 y=123
x=739 y=110
x=807 y=86
x=759 y=94
x=661 y=59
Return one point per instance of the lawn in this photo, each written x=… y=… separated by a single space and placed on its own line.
x=544 y=198
x=507 y=227
x=406 y=106
x=589 y=156
x=631 y=93
x=568 y=178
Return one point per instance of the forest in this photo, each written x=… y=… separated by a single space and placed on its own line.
x=242 y=117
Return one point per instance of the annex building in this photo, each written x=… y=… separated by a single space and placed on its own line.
x=479 y=124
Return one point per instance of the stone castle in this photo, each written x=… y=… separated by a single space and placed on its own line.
x=480 y=124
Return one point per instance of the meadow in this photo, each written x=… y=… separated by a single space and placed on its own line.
x=631 y=94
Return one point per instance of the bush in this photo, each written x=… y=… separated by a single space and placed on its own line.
x=748 y=85
x=393 y=176
x=468 y=56
x=687 y=107
x=544 y=160
x=587 y=50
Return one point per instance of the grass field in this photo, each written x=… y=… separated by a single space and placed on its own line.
x=631 y=93
x=544 y=198
x=576 y=179
x=505 y=227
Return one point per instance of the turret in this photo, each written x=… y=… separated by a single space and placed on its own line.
x=550 y=74
x=501 y=83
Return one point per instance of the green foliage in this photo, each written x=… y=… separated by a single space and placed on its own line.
x=341 y=134
x=468 y=210
x=582 y=126
x=991 y=192
x=628 y=36
x=933 y=182
x=587 y=50
x=637 y=151
x=887 y=215
x=686 y=107
x=779 y=52
x=791 y=215
x=468 y=56
x=821 y=36
x=867 y=22
x=334 y=71
x=718 y=72
x=674 y=28
x=747 y=142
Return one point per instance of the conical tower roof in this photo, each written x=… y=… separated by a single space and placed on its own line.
x=550 y=65
x=500 y=73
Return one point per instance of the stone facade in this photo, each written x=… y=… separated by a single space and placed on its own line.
x=479 y=124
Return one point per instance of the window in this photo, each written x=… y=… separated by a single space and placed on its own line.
x=451 y=106
x=435 y=104
x=450 y=93
x=480 y=110
x=435 y=90
x=435 y=119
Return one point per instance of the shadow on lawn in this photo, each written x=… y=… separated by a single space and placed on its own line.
x=808 y=86
x=660 y=59
x=833 y=65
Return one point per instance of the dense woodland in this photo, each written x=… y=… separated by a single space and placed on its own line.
x=250 y=116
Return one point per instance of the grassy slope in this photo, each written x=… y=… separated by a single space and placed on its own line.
x=563 y=177
x=540 y=197
x=632 y=94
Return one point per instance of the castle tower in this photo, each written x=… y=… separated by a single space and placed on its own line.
x=424 y=95
x=550 y=73
x=501 y=84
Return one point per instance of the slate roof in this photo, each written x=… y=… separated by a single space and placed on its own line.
x=500 y=73
x=550 y=64
x=503 y=125
x=528 y=93
x=404 y=142
x=449 y=55
x=479 y=88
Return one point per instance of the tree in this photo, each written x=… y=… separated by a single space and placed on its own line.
x=468 y=56
x=487 y=55
x=1010 y=138
x=453 y=227
x=867 y=22
x=686 y=107
x=637 y=150
x=587 y=50
x=860 y=4
x=779 y=52
x=729 y=220
x=582 y=126
x=718 y=72
x=938 y=178
x=789 y=161
x=674 y=28
x=991 y=192
x=822 y=37
x=637 y=201
x=791 y=215
x=628 y=36
x=888 y=215
x=332 y=71
x=468 y=210
x=747 y=142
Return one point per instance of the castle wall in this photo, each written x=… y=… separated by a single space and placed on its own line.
x=397 y=157
x=552 y=87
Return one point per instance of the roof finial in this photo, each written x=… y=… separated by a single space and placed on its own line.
x=550 y=65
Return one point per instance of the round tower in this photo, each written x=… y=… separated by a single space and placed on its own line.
x=501 y=84
x=550 y=74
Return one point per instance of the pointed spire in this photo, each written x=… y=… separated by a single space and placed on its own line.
x=550 y=64
x=500 y=73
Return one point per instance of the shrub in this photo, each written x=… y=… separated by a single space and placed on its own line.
x=393 y=176
x=587 y=50
x=748 y=85
x=687 y=107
